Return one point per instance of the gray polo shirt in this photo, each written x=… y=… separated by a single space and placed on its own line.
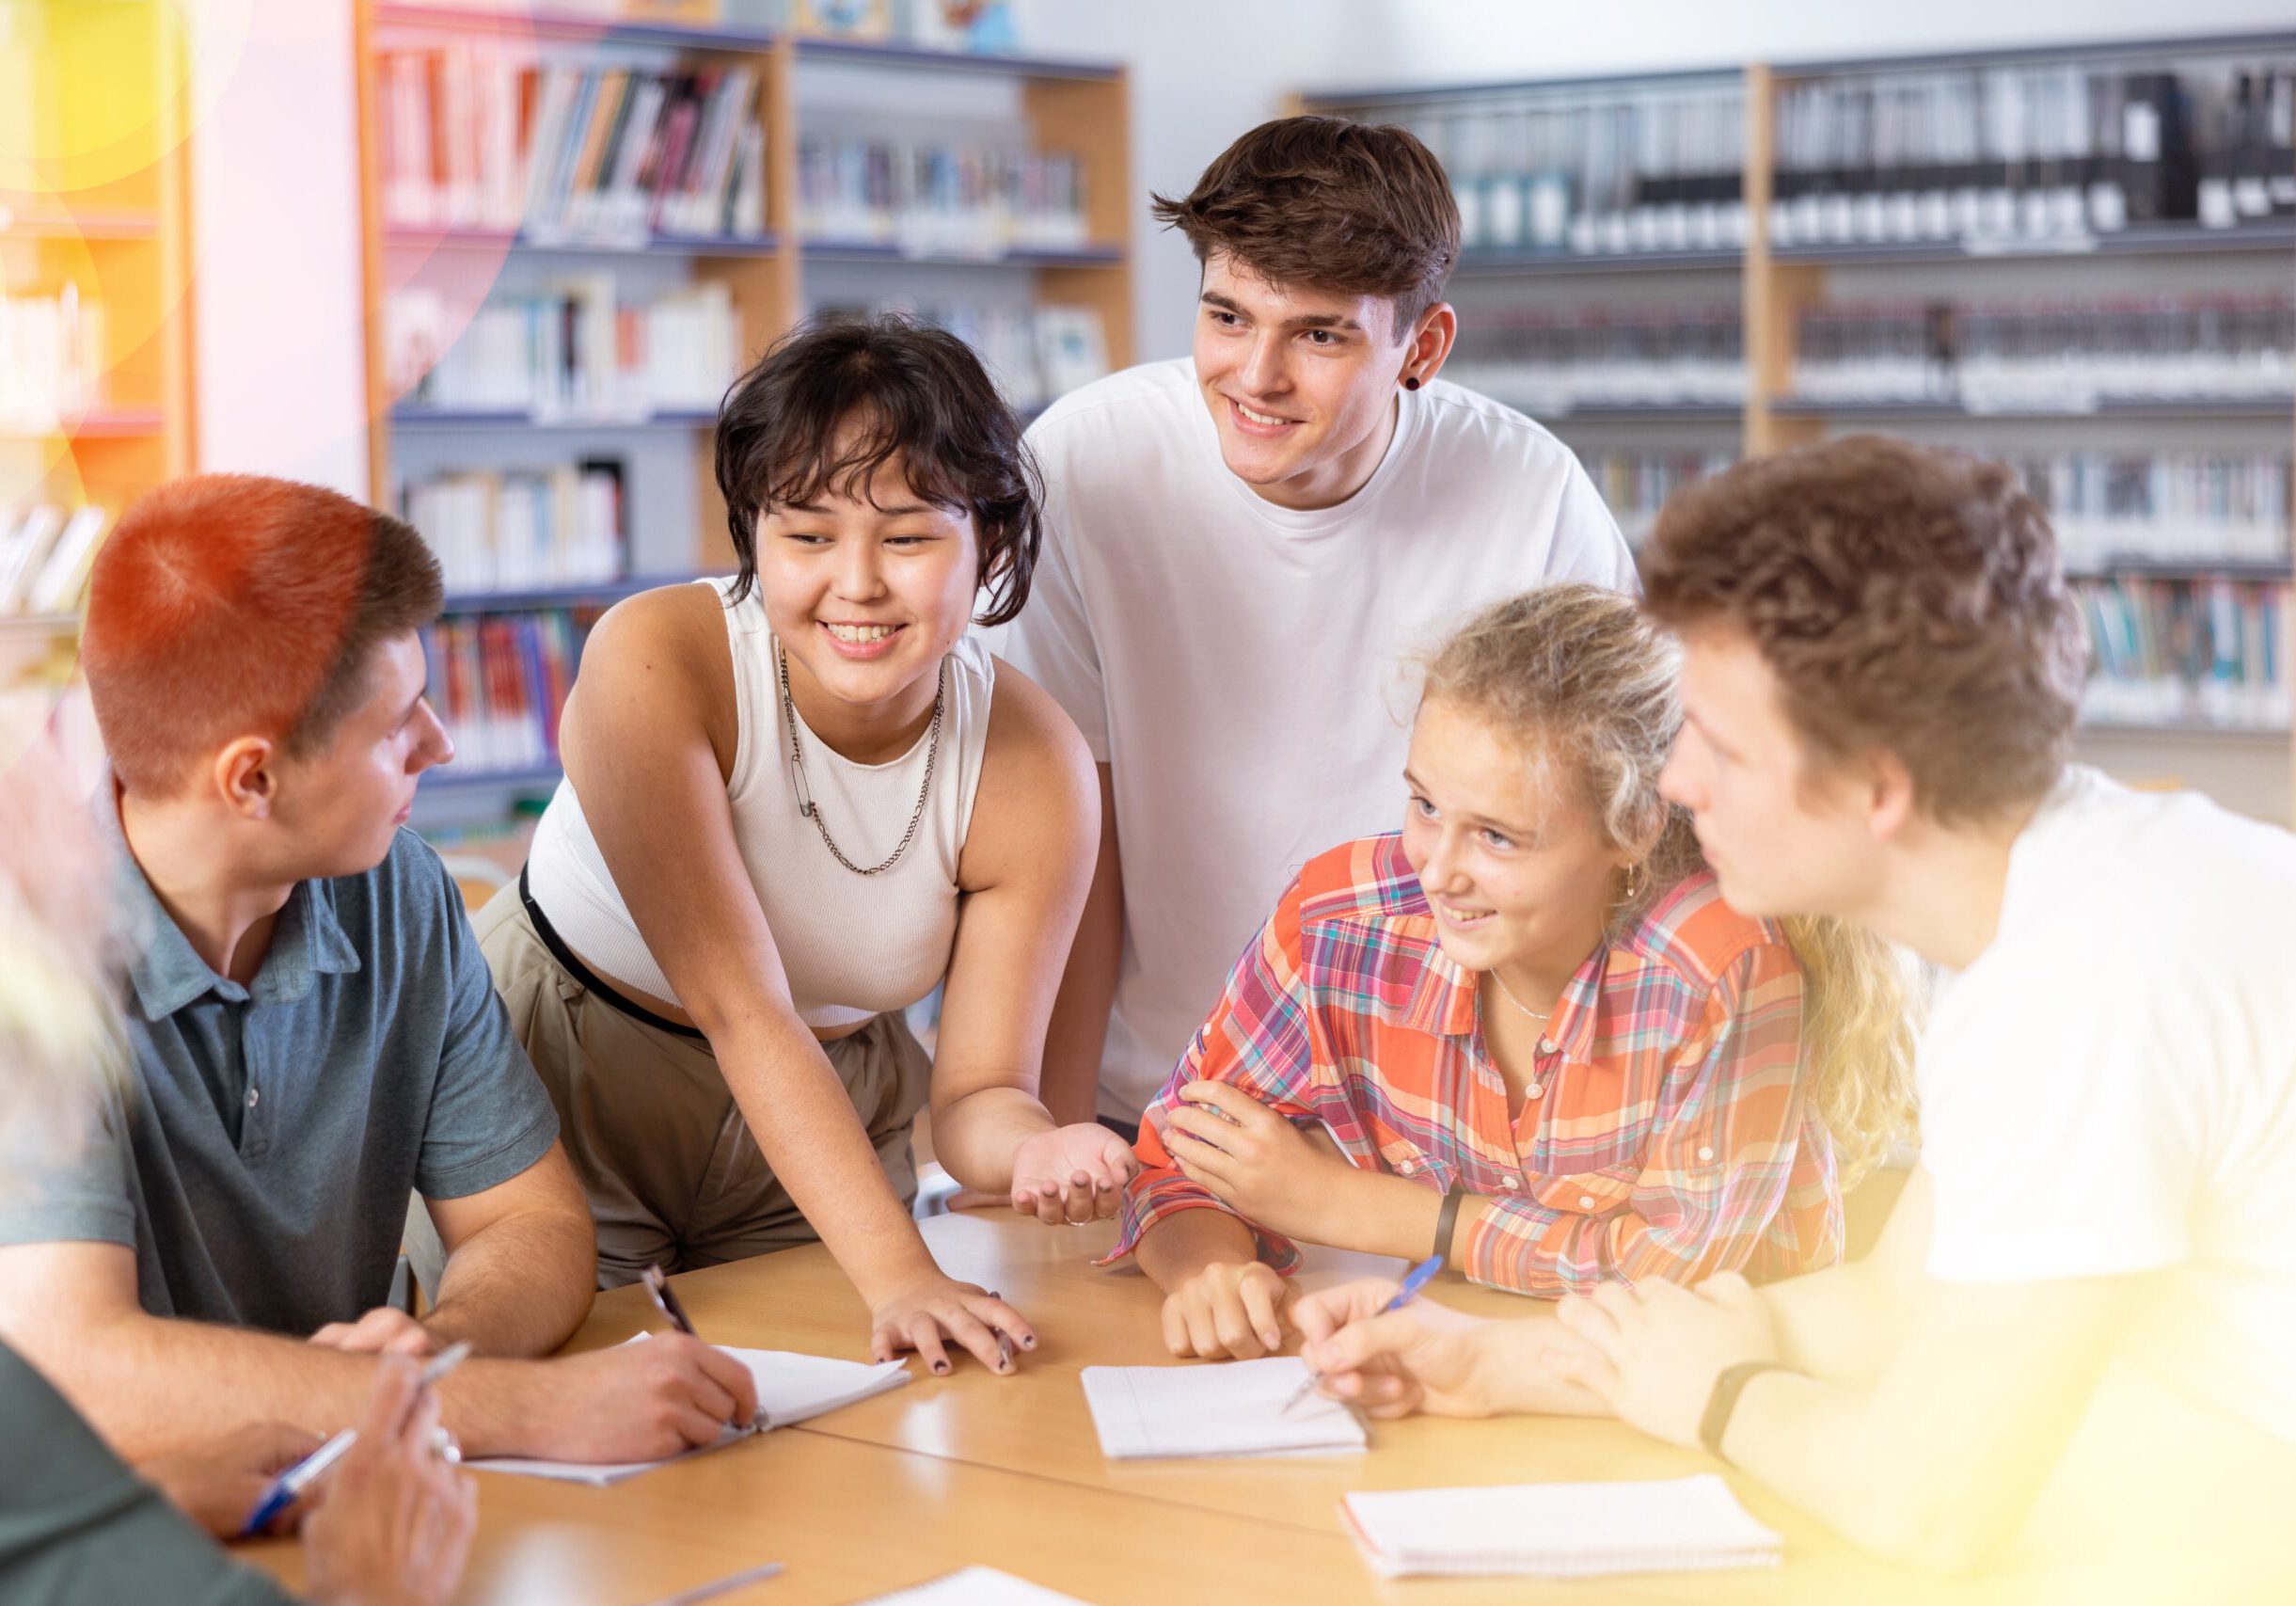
x=260 y=1156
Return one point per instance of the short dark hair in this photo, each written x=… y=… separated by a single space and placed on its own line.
x=1905 y=598
x=916 y=393
x=1359 y=208
x=230 y=605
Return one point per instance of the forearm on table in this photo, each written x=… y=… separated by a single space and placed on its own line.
x=974 y=1135
x=1185 y=1242
x=1514 y=1371
x=153 y=1385
x=1840 y=1325
x=1811 y=1441
x=1380 y=1214
x=806 y=1128
x=520 y=1286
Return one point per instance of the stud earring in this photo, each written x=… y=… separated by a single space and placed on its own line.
x=1412 y=383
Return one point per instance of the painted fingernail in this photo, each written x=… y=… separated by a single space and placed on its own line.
x=940 y=1368
x=1028 y=1343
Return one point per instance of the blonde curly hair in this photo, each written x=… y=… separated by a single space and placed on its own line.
x=1588 y=688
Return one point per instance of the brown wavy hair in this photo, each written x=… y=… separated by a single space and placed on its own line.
x=1905 y=598
x=1589 y=688
x=1358 y=208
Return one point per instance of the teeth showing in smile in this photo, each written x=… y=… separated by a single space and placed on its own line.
x=858 y=633
x=1259 y=418
x=1459 y=916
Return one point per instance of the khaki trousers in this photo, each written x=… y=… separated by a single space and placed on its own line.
x=675 y=1176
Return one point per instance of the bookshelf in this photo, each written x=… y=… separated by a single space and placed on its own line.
x=863 y=153
x=1982 y=250
x=95 y=318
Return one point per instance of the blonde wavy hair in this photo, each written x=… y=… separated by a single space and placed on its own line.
x=1588 y=687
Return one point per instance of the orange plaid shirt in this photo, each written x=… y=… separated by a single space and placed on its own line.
x=1667 y=1134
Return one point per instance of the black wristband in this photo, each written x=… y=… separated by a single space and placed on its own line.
x=1447 y=1223
x=1723 y=1399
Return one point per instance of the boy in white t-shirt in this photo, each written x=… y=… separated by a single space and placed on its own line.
x=1241 y=548
x=2080 y=1322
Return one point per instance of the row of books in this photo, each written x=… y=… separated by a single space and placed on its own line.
x=1036 y=354
x=1553 y=363
x=44 y=554
x=2206 y=652
x=51 y=357
x=2070 y=355
x=930 y=197
x=500 y=681
x=475 y=137
x=519 y=530
x=1636 y=485
x=572 y=351
x=2039 y=152
x=2162 y=506
x=1554 y=171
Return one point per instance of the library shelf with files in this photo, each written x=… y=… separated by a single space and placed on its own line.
x=96 y=394
x=579 y=225
x=2075 y=257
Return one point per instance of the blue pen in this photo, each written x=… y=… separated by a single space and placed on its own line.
x=1417 y=1278
x=292 y=1482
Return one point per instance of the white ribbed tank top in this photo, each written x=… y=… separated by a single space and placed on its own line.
x=852 y=945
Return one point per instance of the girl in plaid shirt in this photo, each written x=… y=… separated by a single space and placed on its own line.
x=1524 y=1032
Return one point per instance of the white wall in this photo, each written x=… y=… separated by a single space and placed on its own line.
x=280 y=355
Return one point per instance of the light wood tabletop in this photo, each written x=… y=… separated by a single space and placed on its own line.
x=974 y=1467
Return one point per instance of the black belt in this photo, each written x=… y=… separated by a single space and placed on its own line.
x=583 y=973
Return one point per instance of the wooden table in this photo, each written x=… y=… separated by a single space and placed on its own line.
x=974 y=1468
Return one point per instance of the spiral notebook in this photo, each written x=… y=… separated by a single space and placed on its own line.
x=1560 y=1530
x=975 y=1587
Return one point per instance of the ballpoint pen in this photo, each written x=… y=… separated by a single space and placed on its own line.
x=284 y=1488
x=666 y=1296
x=1417 y=1278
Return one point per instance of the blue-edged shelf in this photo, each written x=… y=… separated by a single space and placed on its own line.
x=2268 y=407
x=1520 y=264
x=545 y=24
x=2269 y=569
x=601 y=594
x=404 y=237
x=40 y=623
x=88 y=226
x=1644 y=412
x=2170 y=239
x=455 y=418
x=448 y=780
x=2196 y=730
x=865 y=53
x=112 y=423
x=871 y=251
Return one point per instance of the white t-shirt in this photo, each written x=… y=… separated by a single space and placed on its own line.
x=2111 y=1088
x=1240 y=665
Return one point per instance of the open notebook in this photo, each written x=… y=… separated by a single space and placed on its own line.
x=790 y=1387
x=1229 y=1408
x=1560 y=1530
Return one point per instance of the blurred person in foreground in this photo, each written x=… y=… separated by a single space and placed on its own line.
x=391 y=1525
x=2073 y=1342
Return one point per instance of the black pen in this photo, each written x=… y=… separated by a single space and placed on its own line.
x=666 y=1296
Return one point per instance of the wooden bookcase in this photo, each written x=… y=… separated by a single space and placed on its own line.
x=1065 y=105
x=1773 y=283
x=94 y=177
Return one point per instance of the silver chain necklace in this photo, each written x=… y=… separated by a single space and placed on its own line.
x=1508 y=995
x=805 y=796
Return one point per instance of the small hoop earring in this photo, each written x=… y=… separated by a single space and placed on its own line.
x=1412 y=383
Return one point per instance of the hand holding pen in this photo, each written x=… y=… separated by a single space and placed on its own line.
x=397 y=1514
x=288 y=1486
x=1369 y=1351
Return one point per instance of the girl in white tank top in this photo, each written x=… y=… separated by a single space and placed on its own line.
x=795 y=801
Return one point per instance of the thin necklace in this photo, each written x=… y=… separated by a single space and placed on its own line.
x=1510 y=998
x=805 y=796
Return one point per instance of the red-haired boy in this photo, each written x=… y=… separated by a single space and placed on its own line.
x=314 y=1034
